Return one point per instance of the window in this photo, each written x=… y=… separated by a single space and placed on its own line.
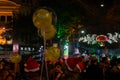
x=2 y=19
x=9 y=18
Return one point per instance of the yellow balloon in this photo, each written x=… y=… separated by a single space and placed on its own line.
x=48 y=32
x=53 y=53
x=42 y=17
x=15 y=58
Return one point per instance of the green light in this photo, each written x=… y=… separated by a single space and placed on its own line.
x=66 y=48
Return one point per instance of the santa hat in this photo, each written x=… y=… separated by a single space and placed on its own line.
x=72 y=62
x=31 y=65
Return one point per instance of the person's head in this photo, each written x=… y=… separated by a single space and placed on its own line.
x=105 y=60
x=118 y=63
x=10 y=77
x=94 y=60
x=58 y=66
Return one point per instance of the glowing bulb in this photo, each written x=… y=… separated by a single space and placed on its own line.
x=82 y=31
x=102 y=5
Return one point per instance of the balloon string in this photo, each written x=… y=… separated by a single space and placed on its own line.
x=41 y=70
x=44 y=62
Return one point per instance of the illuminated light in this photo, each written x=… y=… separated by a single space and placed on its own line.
x=91 y=38
x=41 y=46
x=118 y=56
x=66 y=50
x=102 y=44
x=102 y=5
x=3 y=28
x=15 y=47
x=33 y=49
x=77 y=51
x=9 y=13
x=65 y=57
x=25 y=48
x=55 y=45
x=82 y=31
x=2 y=40
x=21 y=48
x=101 y=39
x=9 y=41
x=29 y=49
x=4 y=12
x=113 y=38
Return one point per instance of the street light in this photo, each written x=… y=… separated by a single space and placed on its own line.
x=82 y=31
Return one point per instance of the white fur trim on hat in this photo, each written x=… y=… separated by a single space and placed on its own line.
x=78 y=67
x=68 y=65
x=31 y=70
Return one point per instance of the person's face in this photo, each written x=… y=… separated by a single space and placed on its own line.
x=118 y=66
x=58 y=68
x=10 y=78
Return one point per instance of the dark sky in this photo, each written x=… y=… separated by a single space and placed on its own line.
x=99 y=18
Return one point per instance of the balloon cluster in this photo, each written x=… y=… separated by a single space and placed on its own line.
x=43 y=20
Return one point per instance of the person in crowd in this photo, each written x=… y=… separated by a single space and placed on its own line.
x=105 y=66
x=115 y=71
x=56 y=73
x=94 y=72
x=10 y=77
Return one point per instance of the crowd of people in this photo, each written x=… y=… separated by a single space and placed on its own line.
x=7 y=71
x=92 y=69
x=73 y=68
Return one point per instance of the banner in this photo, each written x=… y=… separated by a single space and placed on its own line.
x=15 y=47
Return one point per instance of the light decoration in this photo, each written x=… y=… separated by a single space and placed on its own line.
x=102 y=5
x=91 y=38
x=2 y=38
x=66 y=50
x=101 y=39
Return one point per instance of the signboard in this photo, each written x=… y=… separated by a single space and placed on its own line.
x=15 y=47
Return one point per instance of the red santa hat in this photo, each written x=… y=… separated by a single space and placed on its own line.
x=31 y=65
x=72 y=62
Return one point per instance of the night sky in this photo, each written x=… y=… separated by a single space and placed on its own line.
x=97 y=16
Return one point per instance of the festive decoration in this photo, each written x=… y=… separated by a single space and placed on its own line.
x=3 y=40
x=101 y=39
x=53 y=53
x=43 y=20
x=31 y=65
x=48 y=32
x=42 y=17
x=66 y=50
x=91 y=38
x=15 y=58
